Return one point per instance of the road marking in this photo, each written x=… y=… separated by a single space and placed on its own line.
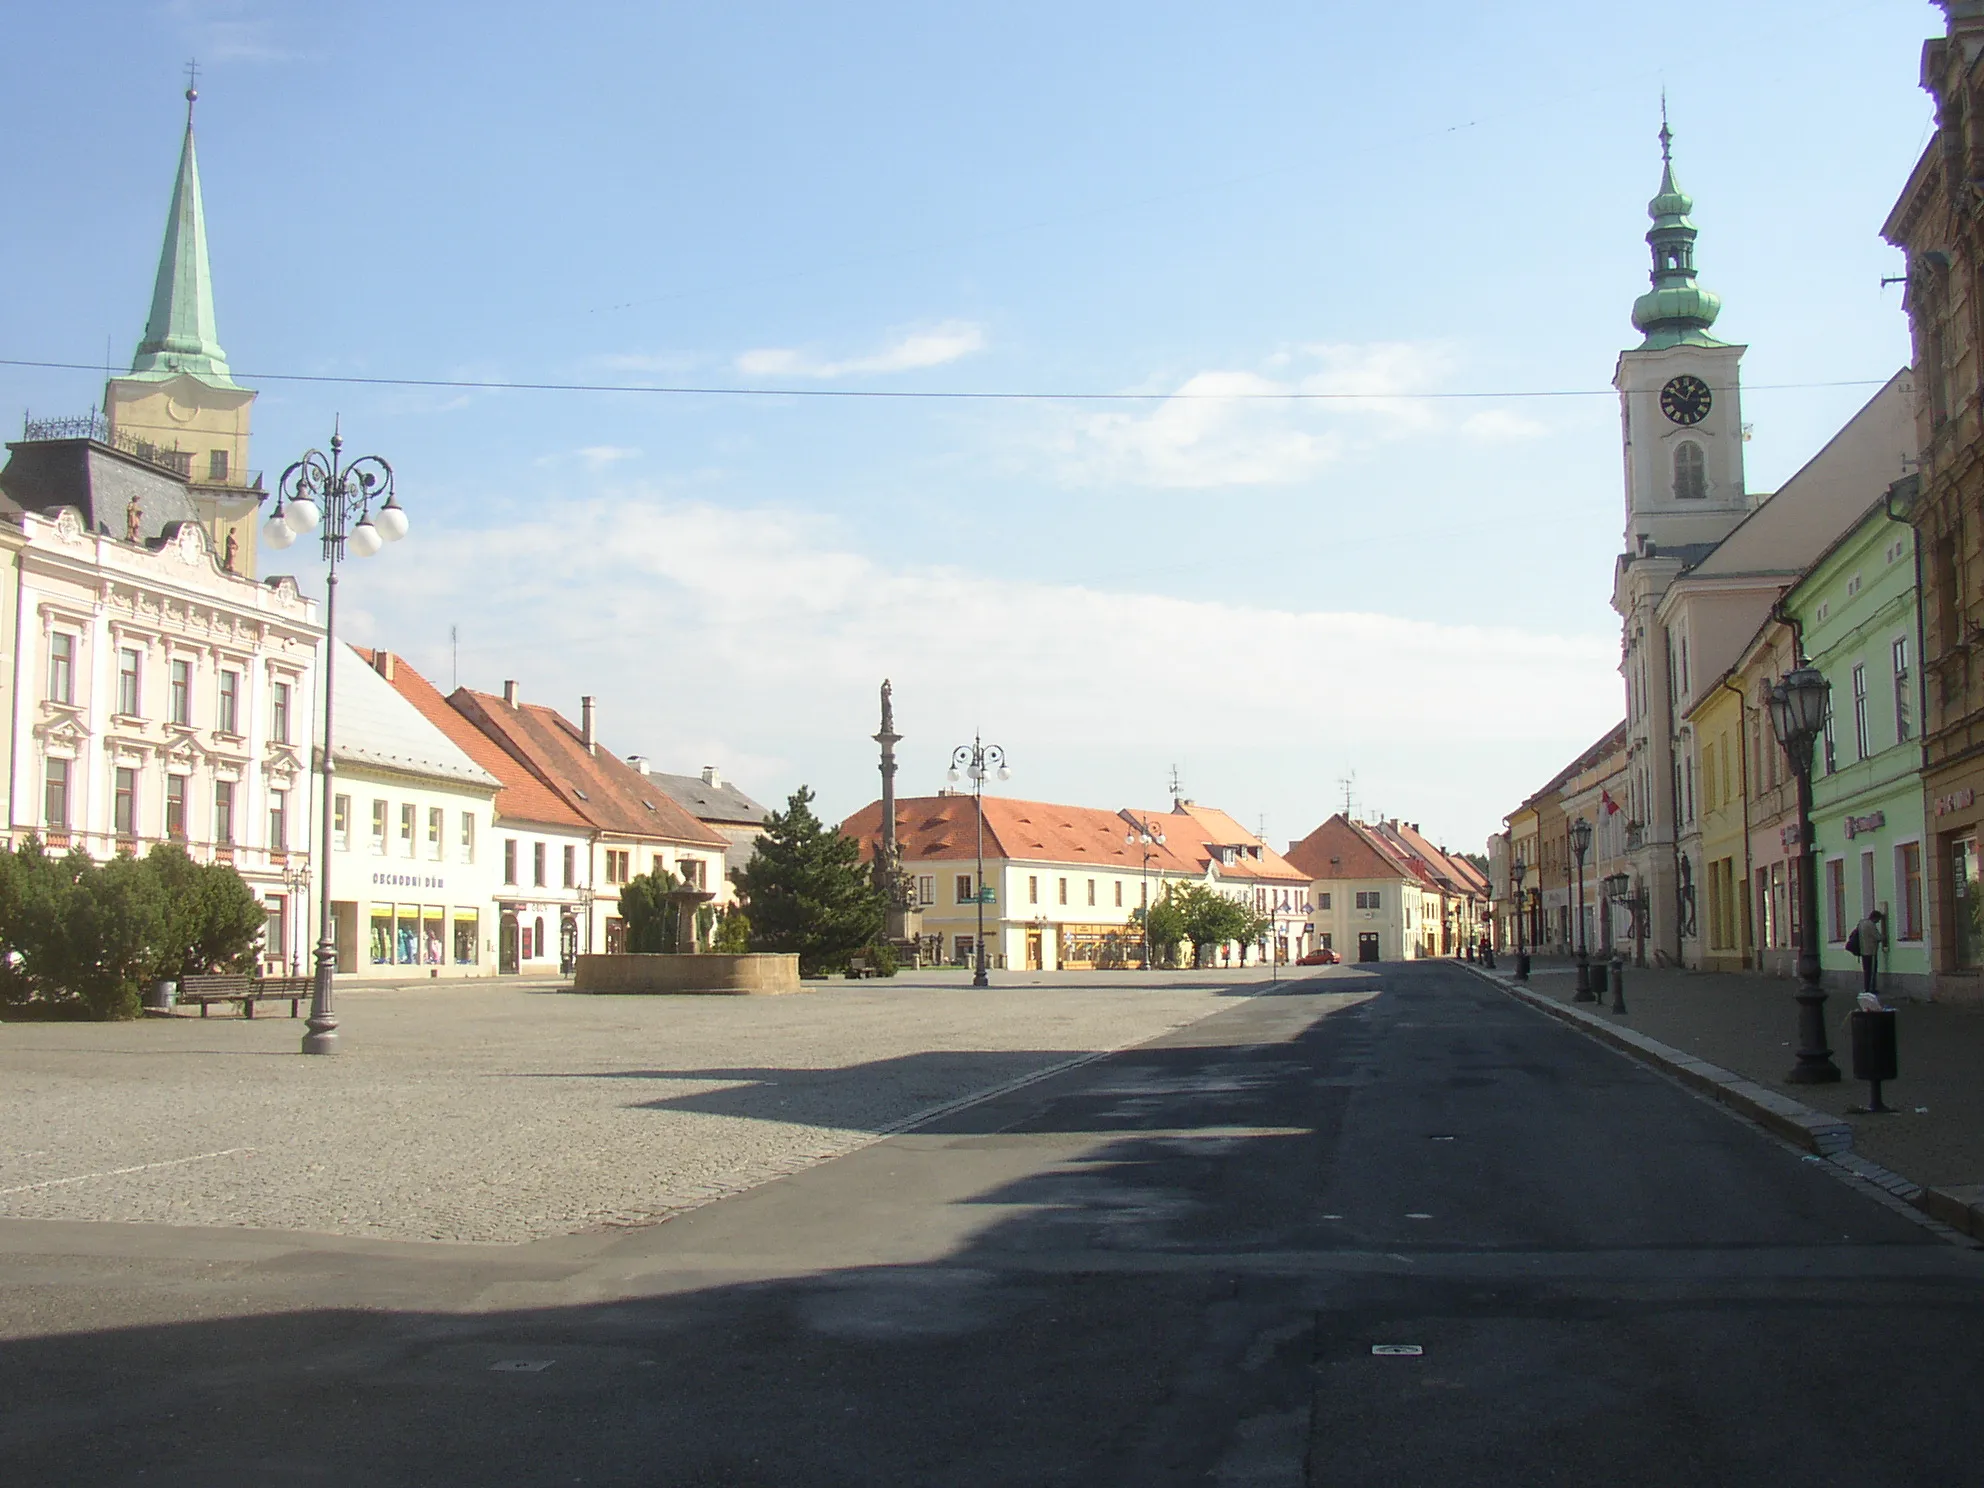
x=171 y=1162
x=521 y=1366
x=1397 y=1350
x=1419 y=1216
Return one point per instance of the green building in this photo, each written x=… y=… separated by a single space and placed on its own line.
x=1858 y=611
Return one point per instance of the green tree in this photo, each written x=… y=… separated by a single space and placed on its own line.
x=651 y=918
x=732 y=936
x=1209 y=919
x=1167 y=930
x=807 y=892
x=213 y=921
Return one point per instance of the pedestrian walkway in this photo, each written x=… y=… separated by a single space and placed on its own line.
x=1748 y=1024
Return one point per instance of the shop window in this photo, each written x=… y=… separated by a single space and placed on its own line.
x=1967 y=904
x=468 y=937
x=382 y=937
x=1908 y=891
x=433 y=941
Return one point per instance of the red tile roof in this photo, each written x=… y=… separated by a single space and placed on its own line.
x=603 y=789
x=1338 y=849
x=1196 y=830
x=523 y=798
x=946 y=827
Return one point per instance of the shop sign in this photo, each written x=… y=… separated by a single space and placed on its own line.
x=1955 y=801
x=1873 y=821
x=408 y=881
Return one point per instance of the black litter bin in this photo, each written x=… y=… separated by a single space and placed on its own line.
x=1875 y=1056
x=1522 y=966
x=1598 y=978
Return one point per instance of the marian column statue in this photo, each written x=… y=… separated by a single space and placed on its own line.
x=892 y=880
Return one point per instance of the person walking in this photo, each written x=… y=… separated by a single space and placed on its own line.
x=1866 y=941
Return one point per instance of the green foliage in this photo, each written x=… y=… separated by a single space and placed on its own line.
x=651 y=919
x=882 y=956
x=807 y=892
x=1167 y=931
x=732 y=936
x=82 y=937
x=1208 y=919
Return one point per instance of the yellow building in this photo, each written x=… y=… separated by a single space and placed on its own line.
x=178 y=406
x=1719 y=722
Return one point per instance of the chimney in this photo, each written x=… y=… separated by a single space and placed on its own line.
x=710 y=776
x=510 y=694
x=382 y=663
x=586 y=717
x=639 y=762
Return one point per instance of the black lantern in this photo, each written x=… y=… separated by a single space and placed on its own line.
x=1580 y=845
x=1798 y=705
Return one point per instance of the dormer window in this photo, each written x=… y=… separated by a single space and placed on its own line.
x=1690 y=472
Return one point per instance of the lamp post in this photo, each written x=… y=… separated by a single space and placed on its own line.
x=1580 y=845
x=1798 y=717
x=975 y=760
x=1518 y=870
x=1147 y=835
x=355 y=502
x=296 y=879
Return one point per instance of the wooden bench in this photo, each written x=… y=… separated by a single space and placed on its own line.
x=245 y=990
x=861 y=966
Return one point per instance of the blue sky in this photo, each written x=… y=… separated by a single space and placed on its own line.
x=1028 y=197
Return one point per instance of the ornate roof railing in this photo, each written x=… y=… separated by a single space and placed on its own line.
x=94 y=426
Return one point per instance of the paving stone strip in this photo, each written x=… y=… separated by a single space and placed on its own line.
x=1961 y=1207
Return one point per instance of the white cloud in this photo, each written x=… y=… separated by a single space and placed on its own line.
x=931 y=347
x=599 y=456
x=1501 y=424
x=697 y=625
x=1227 y=427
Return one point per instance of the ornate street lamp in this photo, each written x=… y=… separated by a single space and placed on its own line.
x=1798 y=717
x=354 y=501
x=1580 y=845
x=1147 y=835
x=1518 y=870
x=976 y=759
x=296 y=880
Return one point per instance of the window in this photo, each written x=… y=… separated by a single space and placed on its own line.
x=926 y=889
x=407 y=812
x=379 y=828
x=1831 y=749
x=224 y=812
x=1908 y=890
x=1867 y=900
x=278 y=821
x=275 y=931
x=1032 y=888
x=619 y=865
x=217 y=465
x=175 y=807
x=1690 y=472
x=55 y=798
x=61 y=667
x=1904 y=724
x=1369 y=898
x=341 y=822
x=967 y=946
x=127 y=683
x=510 y=861
x=436 y=825
x=230 y=703
x=1323 y=900
x=279 y=713
x=468 y=836
x=659 y=869
x=1860 y=711
x=181 y=700
x=124 y=803
x=963 y=888
x=1967 y=903
x=537 y=864
x=1061 y=890
x=1091 y=891
x=571 y=866
x=1119 y=893
x=1836 y=898
x=695 y=873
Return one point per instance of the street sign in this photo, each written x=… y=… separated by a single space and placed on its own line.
x=988 y=895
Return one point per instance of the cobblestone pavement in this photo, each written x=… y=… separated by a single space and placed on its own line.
x=1749 y=1024
x=499 y=1112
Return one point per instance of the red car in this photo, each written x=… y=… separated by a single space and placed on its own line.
x=1321 y=956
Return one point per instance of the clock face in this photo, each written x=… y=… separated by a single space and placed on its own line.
x=1686 y=400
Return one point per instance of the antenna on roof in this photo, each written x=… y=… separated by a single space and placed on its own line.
x=1177 y=788
x=454 y=657
x=1347 y=782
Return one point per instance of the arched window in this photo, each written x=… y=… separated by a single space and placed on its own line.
x=1690 y=472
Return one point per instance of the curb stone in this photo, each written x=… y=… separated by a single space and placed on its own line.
x=1961 y=1206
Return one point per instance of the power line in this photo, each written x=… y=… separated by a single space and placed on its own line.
x=981 y=395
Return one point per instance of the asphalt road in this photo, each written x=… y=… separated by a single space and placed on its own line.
x=1168 y=1266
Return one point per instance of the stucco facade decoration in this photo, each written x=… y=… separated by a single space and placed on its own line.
x=155 y=697
x=1857 y=612
x=410 y=849
x=1939 y=224
x=1065 y=882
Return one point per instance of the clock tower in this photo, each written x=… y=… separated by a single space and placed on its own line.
x=1680 y=394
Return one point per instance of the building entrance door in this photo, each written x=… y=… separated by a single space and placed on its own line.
x=1033 y=950
x=1367 y=945
x=506 y=945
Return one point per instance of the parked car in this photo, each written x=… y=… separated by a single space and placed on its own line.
x=1321 y=956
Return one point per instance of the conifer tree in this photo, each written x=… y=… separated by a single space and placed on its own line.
x=807 y=892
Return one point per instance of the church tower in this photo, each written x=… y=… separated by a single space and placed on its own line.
x=1680 y=394
x=178 y=401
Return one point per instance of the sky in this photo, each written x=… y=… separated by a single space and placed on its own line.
x=1438 y=208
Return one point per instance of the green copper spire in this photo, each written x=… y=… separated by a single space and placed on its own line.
x=180 y=335
x=1676 y=311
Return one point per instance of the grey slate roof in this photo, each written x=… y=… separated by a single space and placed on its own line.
x=723 y=802
x=44 y=475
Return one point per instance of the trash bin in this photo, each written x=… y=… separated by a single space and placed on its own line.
x=161 y=997
x=1875 y=1056
x=1522 y=966
x=1598 y=978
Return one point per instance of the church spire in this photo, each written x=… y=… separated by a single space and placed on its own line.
x=1676 y=311
x=180 y=335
